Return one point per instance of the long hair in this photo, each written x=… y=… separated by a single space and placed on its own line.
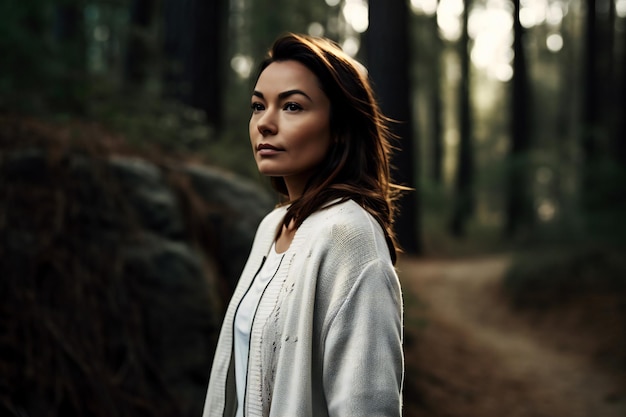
x=357 y=164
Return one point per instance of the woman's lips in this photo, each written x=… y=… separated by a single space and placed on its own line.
x=267 y=149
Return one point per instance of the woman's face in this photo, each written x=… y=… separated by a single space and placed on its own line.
x=290 y=124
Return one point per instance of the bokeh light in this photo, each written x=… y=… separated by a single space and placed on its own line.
x=449 y=19
x=554 y=42
x=242 y=65
x=620 y=8
x=491 y=28
x=356 y=14
x=351 y=45
x=316 y=29
x=427 y=7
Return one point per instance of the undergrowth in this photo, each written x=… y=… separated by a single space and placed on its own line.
x=550 y=276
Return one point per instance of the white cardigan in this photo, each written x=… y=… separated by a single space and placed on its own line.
x=327 y=336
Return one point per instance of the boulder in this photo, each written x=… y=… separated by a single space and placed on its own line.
x=115 y=270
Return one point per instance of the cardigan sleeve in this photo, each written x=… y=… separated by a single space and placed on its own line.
x=363 y=362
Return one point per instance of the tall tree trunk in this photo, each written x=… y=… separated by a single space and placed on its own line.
x=620 y=138
x=603 y=173
x=464 y=198
x=591 y=112
x=436 y=136
x=590 y=101
x=519 y=205
x=207 y=58
x=608 y=78
x=388 y=58
x=619 y=83
x=195 y=51
x=140 y=57
x=176 y=46
x=567 y=126
x=70 y=35
x=69 y=28
x=611 y=61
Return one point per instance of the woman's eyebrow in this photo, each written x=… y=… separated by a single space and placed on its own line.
x=284 y=94
x=288 y=93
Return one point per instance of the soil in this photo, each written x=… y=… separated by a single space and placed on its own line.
x=469 y=353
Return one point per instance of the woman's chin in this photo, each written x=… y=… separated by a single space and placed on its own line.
x=268 y=171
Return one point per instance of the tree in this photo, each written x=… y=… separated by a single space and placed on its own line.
x=616 y=66
x=603 y=172
x=139 y=51
x=194 y=46
x=464 y=198
x=388 y=60
x=518 y=205
x=591 y=114
x=436 y=134
x=620 y=137
x=207 y=57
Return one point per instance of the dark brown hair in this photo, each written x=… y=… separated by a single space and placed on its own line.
x=357 y=164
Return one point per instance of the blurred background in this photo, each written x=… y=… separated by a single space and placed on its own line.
x=129 y=196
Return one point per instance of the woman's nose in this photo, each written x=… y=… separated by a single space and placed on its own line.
x=266 y=124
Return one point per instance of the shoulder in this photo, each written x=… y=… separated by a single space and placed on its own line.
x=346 y=214
x=352 y=261
x=348 y=230
x=348 y=220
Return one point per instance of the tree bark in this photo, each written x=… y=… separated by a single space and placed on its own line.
x=70 y=36
x=590 y=140
x=464 y=198
x=139 y=55
x=519 y=206
x=619 y=138
x=436 y=137
x=590 y=101
x=195 y=51
x=388 y=58
x=207 y=59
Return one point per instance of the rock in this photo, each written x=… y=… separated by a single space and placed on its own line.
x=238 y=206
x=111 y=296
x=155 y=204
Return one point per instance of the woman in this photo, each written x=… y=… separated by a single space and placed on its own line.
x=314 y=327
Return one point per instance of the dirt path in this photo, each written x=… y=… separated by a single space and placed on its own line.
x=469 y=355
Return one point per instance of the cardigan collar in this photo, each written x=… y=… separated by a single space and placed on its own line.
x=301 y=234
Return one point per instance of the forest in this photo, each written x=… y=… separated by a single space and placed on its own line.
x=125 y=164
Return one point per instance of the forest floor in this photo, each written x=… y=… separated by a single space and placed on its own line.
x=470 y=354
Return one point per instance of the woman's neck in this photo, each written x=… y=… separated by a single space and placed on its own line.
x=285 y=237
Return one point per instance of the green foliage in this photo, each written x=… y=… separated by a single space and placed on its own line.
x=483 y=234
x=548 y=277
x=62 y=68
x=41 y=69
x=150 y=122
x=604 y=199
x=68 y=68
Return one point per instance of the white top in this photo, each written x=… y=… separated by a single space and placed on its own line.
x=244 y=318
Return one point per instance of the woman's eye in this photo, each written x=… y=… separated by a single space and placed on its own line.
x=292 y=107
x=256 y=106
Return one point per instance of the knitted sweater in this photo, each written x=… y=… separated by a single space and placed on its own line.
x=327 y=336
